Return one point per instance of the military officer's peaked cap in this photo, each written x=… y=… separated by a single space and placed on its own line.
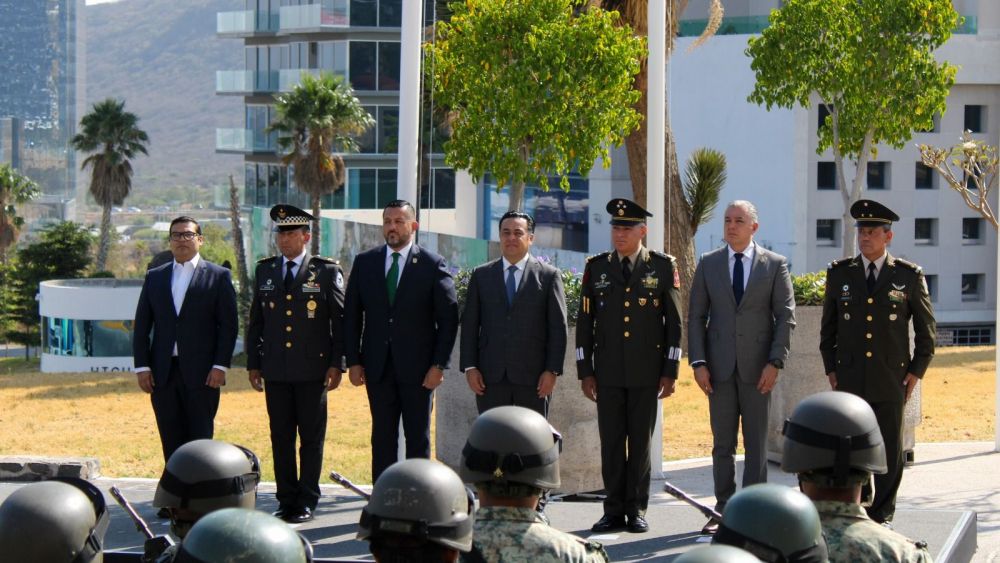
x=289 y=218
x=871 y=213
x=626 y=212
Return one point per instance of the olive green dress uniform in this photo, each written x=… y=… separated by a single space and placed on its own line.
x=628 y=336
x=864 y=339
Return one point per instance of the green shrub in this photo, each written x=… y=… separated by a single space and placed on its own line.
x=809 y=288
x=572 y=284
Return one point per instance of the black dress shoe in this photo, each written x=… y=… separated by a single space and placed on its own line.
x=710 y=528
x=281 y=512
x=637 y=524
x=609 y=523
x=163 y=513
x=298 y=515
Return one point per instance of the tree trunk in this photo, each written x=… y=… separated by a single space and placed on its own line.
x=243 y=299
x=516 y=202
x=678 y=238
x=314 y=246
x=104 y=246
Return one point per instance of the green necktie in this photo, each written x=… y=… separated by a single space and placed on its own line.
x=392 y=278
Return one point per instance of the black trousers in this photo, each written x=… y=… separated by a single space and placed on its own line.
x=297 y=408
x=625 y=420
x=389 y=400
x=890 y=421
x=504 y=393
x=183 y=413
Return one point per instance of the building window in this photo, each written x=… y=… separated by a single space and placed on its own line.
x=970 y=336
x=878 y=175
x=388 y=129
x=390 y=13
x=972 y=287
x=823 y=112
x=365 y=188
x=924 y=179
x=932 y=283
x=975 y=118
x=826 y=176
x=364 y=13
x=363 y=71
x=972 y=230
x=89 y=339
x=440 y=194
x=827 y=231
x=925 y=231
x=388 y=65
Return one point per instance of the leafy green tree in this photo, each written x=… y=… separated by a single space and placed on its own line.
x=15 y=189
x=871 y=65
x=62 y=252
x=969 y=168
x=113 y=138
x=704 y=178
x=534 y=88
x=217 y=248
x=317 y=121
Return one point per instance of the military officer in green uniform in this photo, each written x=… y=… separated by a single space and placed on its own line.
x=628 y=348
x=295 y=342
x=870 y=301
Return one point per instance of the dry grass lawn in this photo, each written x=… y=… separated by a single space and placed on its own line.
x=106 y=416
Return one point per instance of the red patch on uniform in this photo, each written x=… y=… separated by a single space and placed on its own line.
x=586 y=275
x=677 y=278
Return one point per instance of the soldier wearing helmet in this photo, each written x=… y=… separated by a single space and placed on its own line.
x=204 y=476
x=57 y=521
x=833 y=443
x=716 y=554
x=239 y=535
x=512 y=457
x=419 y=511
x=774 y=523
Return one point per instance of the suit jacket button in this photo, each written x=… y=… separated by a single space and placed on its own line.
x=288 y=313
x=626 y=319
x=288 y=328
x=288 y=297
x=870 y=300
x=627 y=304
x=868 y=354
x=288 y=344
x=628 y=290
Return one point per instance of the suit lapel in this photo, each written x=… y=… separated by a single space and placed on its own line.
x=168 y=282
x=720 y=267
x=885 y=274
x=857 y=274
x=411 y=261
x=530 y=272
x=757 y=272
x=302 y=274
x=196 y=279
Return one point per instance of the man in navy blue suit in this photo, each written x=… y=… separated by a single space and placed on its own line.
x=400 y=323
x=185 y=331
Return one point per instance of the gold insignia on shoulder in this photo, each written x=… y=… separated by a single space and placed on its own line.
x=498 y=473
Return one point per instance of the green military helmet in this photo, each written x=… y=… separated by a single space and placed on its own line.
x=240 y=535
x=773 y=523
x=512 y=445
x=420 y=498
x=57 y=521
x=833 y=438
x=716 y=554
x=206 y=475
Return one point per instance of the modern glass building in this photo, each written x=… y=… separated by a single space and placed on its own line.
x=39 y=44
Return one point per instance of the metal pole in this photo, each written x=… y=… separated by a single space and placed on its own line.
x=409 y=101
x=996 y=392
x=655 y=145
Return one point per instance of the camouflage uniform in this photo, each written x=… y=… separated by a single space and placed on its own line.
x=514 y=535
x=852 y=537
x=168 y=554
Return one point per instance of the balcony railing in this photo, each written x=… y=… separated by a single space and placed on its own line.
x=328 y=13
x=246 y=22
x=245 y=141
x=291 y=77
x=245 y=81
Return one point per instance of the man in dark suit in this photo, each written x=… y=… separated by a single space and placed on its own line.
x=295 y=341
x=864 y=337
x=400 y=323
x=185 y=331
x=628 y=340
x=514 y=324
x=740 y=321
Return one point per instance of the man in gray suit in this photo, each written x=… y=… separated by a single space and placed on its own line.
x=514 y=324
x=740 y=320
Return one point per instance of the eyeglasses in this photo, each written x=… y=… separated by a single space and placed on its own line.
x=186 y=235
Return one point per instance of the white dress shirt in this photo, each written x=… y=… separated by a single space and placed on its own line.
x=298 y=260
x=878 y=263
x=404 y=253
x=518 y=274
x=748 y=255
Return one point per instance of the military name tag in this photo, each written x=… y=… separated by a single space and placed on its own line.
x=310 y=288
x=602 y=283
x=650 y=282
x=268 y=286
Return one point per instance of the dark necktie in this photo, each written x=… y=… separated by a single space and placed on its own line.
x=738 y=277
x=392 y=278
x=289 y=278
x=871 y=277
x=626 y=269
x=511 y=285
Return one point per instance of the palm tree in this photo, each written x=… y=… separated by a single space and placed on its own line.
x=679 y=234
x=704 y=177
x=113 y=138
x=317 y=121
x=14 y=189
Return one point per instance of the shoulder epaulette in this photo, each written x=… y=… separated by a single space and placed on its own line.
x=662 y=255
x=909 y=265
x=596 y=256
x=838 y=263
x=325 y=259
x=265 y=259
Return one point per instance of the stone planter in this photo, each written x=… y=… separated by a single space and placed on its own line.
x=572 y=414
x=803 y=375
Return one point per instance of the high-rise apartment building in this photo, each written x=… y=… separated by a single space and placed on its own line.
x=40 y=45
